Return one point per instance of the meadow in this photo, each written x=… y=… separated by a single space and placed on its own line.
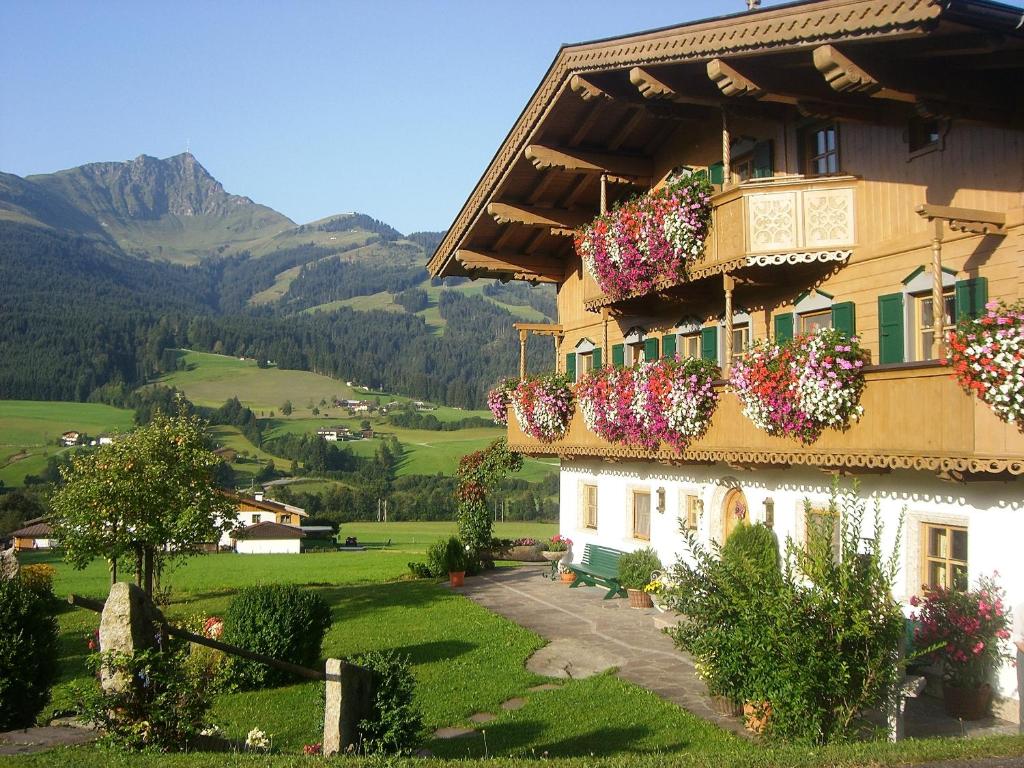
x=464 y=658
x=30 y=431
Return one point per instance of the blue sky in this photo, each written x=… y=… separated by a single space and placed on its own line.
x=313 y=108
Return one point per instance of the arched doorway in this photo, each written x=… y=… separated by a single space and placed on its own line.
x=735 y=511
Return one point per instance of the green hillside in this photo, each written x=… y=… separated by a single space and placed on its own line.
x=30 y=431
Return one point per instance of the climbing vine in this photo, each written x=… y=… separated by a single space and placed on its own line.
x=479 y=472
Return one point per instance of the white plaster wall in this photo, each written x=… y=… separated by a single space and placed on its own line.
x=269 y=546
x=992 y=512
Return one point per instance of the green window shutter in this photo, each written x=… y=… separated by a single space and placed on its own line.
x=844 y=317
x=651 y=348
x=763 y=160
x=618 y=355
x=890 y=328
x=716 y=173
x=597 y=357
x=709 y=344
x=783 y=327
x=668 y=345
x=971 y=297
x=570 y=366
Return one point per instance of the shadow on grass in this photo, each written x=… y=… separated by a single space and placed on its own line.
x=526 y=738
x=349 y=602
x=437 y=650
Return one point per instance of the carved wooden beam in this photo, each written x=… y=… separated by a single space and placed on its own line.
x=522 y=266
x=972 y=220
x=587 y=89
x=618 y=166
x=533 y=216
x=845 y=76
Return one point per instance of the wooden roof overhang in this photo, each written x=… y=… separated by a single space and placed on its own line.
x=604 y=108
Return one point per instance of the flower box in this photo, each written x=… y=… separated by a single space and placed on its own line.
x=543 y=405
x=648 y=238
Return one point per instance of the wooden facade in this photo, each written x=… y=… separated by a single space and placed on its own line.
x=917 y=106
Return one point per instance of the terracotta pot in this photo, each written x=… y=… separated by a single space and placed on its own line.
x=723 y=705
x=568 y=577
x=457 y=578
x=756 y=715
x=967 y=703
x=639 y=599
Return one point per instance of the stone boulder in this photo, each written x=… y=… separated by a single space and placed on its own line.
x=130 y=622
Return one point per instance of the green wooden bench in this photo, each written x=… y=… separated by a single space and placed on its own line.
x=599 y=566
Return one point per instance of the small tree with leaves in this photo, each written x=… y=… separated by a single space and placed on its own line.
x=479 y=473
x=146 y=497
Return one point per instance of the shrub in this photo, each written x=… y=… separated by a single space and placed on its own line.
x=635 y=568
x=278 y=620
x=753 y=550
x=397 y=722
x=446 y=556
x=39 y=578
x=28 y=653
x=419 y=570
x=165 y=705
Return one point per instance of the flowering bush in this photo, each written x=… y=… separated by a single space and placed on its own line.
x=478 y=472
x=967 y=626
x=649 y=237
x=668 y=400
x=799 y=388
x=499 y=399
x=558 y=543
x=987 y=356
x=543 y=406
x=213 y=627
x=257 y=741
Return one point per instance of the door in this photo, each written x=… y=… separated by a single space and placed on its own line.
x=735 y=512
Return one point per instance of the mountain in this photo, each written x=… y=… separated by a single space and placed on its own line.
x=170 y=209
x=107 y=266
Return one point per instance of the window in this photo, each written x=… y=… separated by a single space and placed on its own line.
x=810 y=322
x=590 y=506
x=694 y=506
x=635 y=353
x=824 y=521
x=689 y=345
x=821 y=150
x=256 y=518
x=740 y=340
x=584 y=363
x=286 y=520
x=923 y=134
x=642 y=515
x=945 y=556
x=923 y=319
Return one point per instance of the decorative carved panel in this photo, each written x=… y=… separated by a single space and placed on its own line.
x=772 y=221
x=828 y=218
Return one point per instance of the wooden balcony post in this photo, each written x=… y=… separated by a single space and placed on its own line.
x=605 y=351
x=729 y=284
x=938 y=304
x=558 y=349
x=604 y=193
x=523 y=334
x=726 y=151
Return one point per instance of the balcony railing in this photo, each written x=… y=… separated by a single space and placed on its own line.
x=771 y=221
x=915 y=417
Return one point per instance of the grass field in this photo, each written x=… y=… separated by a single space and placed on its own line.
x=465 y=659
x=29 y=431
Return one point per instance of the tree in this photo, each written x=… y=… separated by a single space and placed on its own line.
x=478 y=473
x=286 y=408
x=148 y=496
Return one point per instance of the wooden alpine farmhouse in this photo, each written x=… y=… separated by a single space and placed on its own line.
x=867 y=161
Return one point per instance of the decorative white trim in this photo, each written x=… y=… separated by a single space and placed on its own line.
x=688 y=325
x=583 y=346
x=634 y=335
x=923 y=281
x=815 y=301
x=798 y=257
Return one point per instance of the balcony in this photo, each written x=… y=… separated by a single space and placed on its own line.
x=765 y=222
x=915 y=417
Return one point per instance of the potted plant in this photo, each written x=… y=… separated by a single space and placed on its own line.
x=635 y=572
x=449 y=556
x=966 y=630
x=557 y=547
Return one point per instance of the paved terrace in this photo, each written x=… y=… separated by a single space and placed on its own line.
x=588 y=634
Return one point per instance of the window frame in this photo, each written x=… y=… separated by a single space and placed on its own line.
x=810 y=157
x=693 y=506
x=919 y=329
x=635 y=532
x=685 y=340
x=949 y=562
x=587 y=509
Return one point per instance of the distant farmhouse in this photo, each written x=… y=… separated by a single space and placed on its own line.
x=36 y=534
x=264 y=526
x=71 y=438
x=268 y=538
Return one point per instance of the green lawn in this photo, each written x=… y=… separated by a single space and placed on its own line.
x=465 y=660
x=29 y=431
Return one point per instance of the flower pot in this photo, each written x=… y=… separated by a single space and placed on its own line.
x=552 y=556
x=457 y=578
x=723 y=705
x=967 y=703
x=639 y=599
x=568 y=577
x=757 y=715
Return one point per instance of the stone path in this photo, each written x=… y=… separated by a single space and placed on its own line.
x=30 y=741
x=588 y=635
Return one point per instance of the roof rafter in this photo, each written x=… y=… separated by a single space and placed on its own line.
x=535 y=216
x=617 y=166
x=521 y=266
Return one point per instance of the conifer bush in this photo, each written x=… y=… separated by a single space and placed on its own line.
x=28 y=652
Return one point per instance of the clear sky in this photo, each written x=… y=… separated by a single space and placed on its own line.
x=313 y=108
